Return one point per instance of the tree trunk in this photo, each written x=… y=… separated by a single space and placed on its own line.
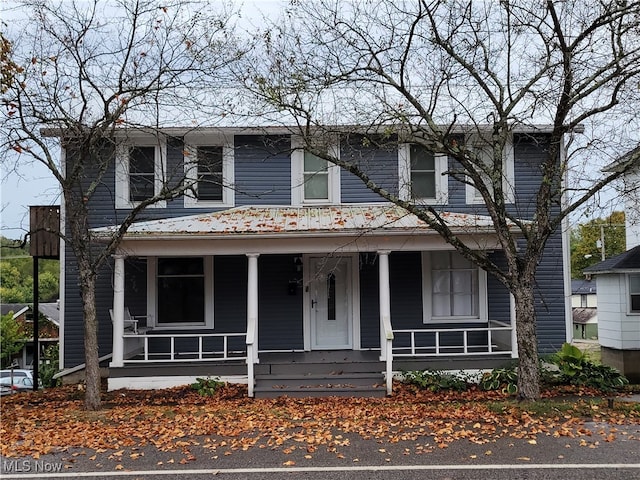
x=528 y=372
x=92 y=399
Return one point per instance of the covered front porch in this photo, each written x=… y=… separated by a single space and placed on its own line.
x=341 y=292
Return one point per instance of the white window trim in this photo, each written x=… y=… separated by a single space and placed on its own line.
x=483 y=316
x=191 y=144
x=152 y=298
x=508 y=179
x=122 y=169
x=404 y=177
x=628 y=282
x=297 y=176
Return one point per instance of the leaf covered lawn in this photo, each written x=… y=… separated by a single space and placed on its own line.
x=175 y=419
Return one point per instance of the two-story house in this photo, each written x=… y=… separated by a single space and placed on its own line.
x=288 y=273
x=618 y=280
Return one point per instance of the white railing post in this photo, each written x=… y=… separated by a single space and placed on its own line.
x=252 y=319
x=117 y=348
x=514 y=334
x=386 y=331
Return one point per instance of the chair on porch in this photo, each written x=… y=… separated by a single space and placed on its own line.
x=130 y=321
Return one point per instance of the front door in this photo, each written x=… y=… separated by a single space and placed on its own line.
x=330 y=302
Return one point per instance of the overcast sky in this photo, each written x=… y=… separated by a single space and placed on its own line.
x=33 y=183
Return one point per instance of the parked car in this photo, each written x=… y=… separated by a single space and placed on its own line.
x=22 y=381
x=17 y=372
x=20 y=384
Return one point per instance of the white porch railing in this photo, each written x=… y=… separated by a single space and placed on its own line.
x=428 y=342
x=143 y=353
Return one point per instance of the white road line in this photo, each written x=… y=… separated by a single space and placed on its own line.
x=359 y=468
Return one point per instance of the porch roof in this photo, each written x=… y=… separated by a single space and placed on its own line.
x=295 y=221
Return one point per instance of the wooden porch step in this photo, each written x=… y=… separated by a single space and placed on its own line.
x=320 y=385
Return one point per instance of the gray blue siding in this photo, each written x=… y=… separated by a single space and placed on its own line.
x=262 y=171
x=379 y=162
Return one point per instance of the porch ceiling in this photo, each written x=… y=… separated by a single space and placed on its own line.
x=296 y=221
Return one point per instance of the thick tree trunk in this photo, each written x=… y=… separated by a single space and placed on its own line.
x=92 y=399
x=528 y=372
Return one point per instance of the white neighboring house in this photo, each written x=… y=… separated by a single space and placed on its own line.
x=631 y=185
x=584 y=309
x=618 y=280
x=618 y=289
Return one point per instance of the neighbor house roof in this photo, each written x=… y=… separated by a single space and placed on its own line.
x=584 y=315
x=51 y=311
x=582 y=286
x=633 y=154
x=17 y=308
x=629 y=260
x=277 y=221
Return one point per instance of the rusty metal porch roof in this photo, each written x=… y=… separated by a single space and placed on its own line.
x=244 y=221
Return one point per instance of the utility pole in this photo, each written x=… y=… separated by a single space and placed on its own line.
x=600 y=242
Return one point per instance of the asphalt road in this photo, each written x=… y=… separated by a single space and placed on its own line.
x=549 y=457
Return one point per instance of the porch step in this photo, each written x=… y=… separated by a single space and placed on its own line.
x=339 y=384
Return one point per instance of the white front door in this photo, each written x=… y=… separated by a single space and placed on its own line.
x=330 y=302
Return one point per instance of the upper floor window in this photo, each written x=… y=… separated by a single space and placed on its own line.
x=209 y=171
x=634 y=293
x=483 y=151
x=453 y=288
x=139 y=167
x=422 y=174
x=314 y=180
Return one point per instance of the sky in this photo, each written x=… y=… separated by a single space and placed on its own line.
x=33 y=184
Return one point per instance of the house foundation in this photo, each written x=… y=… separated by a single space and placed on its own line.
x=626 y=361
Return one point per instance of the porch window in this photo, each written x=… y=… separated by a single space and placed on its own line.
x=209 y=171
x=139 y=167
x=421 y=174
x=314 y=180
x=181 y=291
x=634 y=293
x=483 y=151
x=453 y=288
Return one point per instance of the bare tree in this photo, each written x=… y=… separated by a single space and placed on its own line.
x=84 y=76
x=439 y=73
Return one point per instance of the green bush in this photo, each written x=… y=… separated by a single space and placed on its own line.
x=435 y=381
x=50 y=367
x=207 y=387
x=575 y=368
x=500 y=378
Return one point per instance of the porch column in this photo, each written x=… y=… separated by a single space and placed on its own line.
x=117 y=352
x=252 y=317
x=386 y=333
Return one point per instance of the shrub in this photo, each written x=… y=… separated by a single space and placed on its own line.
x=500 y=378
x=50 y=367
x=207 y=387
x=575 y=368
x=435 y=381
